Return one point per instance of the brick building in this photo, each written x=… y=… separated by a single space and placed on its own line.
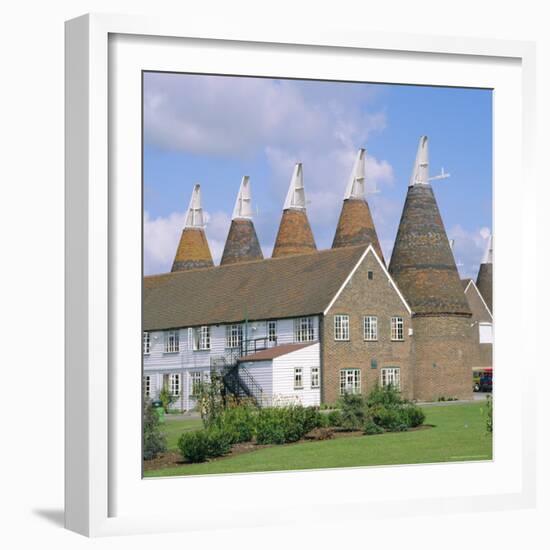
x=307 y=325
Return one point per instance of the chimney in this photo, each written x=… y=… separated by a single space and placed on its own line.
x=242 y=243
x=193 y=251
x=422 y=261
x=485 y=275
x=355 y=225
x=294 y=235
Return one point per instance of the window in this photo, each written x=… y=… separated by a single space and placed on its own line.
x=272 y=331
x=391 y=376
x=174 y=384
x=303 y=329
x=373 y=364
x=341 y=327
x=370 y=275
x=201 y=338
x=315 y=377
x=298 y=379
x=146 y=343
x=196 y=380
x=233 y=336
x=147 y=386
x=350 y=381
x=397 y=328
x=370 y=328
x=485 y=333
x=171 y=341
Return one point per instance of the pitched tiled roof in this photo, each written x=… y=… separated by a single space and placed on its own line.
x=355 y=226
x=422 y=263
x=294 y=235
x=242 y=243
x=275 y=288
x=485 y=283
x=193 y=251
x=275 y=351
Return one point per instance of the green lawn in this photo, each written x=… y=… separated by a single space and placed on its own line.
x=459 y=434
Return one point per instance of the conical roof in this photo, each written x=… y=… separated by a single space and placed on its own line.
x=422 y=262
x=193 y=251
x=294 y=235
x=355 y=225
x=485 y=275
x=242 y=243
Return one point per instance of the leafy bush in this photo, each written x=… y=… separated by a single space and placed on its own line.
x=219 y=441
x=239 y=421
x=154 y=441
x=210 y=403
x=335 y=418
x=194 y=446
x=391 y=418
x=413 y=415
x=278 y=425
x=371 y=428
x=353 y=411
x=384 y=395
x=167 y=397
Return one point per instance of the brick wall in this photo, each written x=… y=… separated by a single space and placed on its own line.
x=442 y=350
x=362 y=297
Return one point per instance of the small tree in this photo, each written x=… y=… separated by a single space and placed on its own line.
x=167 y=397
x=210 y=399
x=154 y=441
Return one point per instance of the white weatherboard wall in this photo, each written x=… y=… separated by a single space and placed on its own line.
x=158 y=362
x=283 y=375
x=262 y=371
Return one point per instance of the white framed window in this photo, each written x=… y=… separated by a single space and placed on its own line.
x=201 y=338
x=174 y=383
x=350 y=381
x=233 y=336
x=196 y=379
x=485 y=333
x=272 y=331
x=171 y=341
x=298 y=378
x=147 y=386
x=315 y=379
x=370 y=328
x=146 y=343
x=303 y=329
x=341 y=327
x=391 y=376
x=397 y=328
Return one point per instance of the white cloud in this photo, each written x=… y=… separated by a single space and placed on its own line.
x=162 y=234
x=469 y=247
x=320 y=125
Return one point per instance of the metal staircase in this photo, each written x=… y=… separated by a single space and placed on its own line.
x=237 y=379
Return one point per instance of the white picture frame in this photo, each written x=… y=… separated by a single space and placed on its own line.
x=102 y=498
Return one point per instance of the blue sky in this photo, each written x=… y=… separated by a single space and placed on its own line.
x=213 y=130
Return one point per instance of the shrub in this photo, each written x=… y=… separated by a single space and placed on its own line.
x=154 y=441
x=413 y=415
x=353 y=411
x=210 y=401
x=324 y=421
x=219 y=441
x=194 y=446
x=167 y=397
x=278 y=425
x=384 y=395
x=239 y=421
x=390 y=418
x=335 y=418
x=371 y=428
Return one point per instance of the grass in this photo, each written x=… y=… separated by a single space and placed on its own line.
x=459 y=434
